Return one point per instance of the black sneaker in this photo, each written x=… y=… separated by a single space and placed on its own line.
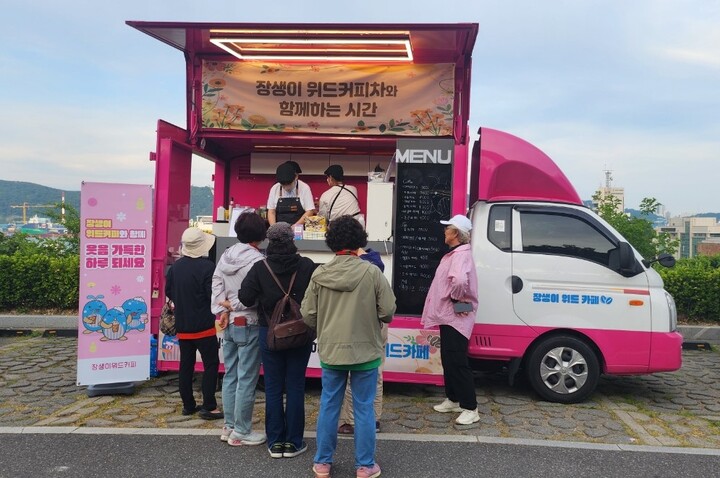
x=291 y=451
x=276 y=450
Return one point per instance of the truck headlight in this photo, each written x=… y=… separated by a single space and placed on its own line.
x=673 y=311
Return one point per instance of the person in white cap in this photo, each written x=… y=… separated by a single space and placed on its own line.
x=451 y=304
x=189 y=285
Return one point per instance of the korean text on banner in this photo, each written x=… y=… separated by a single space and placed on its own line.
x=400 y=100
x=115 y=253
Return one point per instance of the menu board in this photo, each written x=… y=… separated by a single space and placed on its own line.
x=423 y=200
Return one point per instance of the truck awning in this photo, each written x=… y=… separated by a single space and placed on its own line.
x=425 y=43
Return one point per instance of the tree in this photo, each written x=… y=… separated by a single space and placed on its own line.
x=638 y=231
x=71 y=220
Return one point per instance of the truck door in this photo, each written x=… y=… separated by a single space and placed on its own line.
x=171 y=203
x=565 y=276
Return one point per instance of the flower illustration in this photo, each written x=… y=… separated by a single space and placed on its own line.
x=115 y=290
x=217 y=83
x=121 y=216
x=140 y=279
x=269 y=69
x=257 y=119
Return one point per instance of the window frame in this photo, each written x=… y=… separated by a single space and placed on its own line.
x=592 y=222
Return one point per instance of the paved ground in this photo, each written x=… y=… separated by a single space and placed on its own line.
x=139 y=455
x=37 y=388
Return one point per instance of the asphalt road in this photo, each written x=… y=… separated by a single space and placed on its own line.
x=97 y=455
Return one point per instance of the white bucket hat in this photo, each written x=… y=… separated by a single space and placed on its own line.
x=461 y=222
x=196 y=243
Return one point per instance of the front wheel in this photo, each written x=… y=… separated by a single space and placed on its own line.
x=563 y=369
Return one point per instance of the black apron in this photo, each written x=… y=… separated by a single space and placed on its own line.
x=342 y=188
x=289 y=209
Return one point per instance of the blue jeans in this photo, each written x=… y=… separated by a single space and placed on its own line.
x=284 y=370
x=363 y=384
x=241 y=354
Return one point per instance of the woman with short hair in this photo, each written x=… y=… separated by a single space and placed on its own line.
x=347 y=302
x=451 y=304
x=241 y=346
x=284 y=370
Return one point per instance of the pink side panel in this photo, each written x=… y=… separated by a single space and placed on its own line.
x=219 y=189
x=460 y=174
x=623 y=351
x=665 y=352
x=170 y=205
x=512 y=169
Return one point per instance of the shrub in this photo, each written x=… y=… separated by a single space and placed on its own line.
x=38 y=281
x=695 y=286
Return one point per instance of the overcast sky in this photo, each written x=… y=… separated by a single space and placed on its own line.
x=629 y=86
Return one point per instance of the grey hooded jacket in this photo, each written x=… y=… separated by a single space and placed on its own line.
x=232 y=268
x=346 y=301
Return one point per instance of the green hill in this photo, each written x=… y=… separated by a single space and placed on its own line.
x=15 y=193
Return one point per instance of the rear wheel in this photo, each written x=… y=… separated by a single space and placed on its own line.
x=563 y=369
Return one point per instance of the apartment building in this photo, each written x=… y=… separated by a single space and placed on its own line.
x=691 y=232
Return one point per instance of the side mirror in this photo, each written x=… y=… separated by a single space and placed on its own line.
x=627 y=257
x=664 y=259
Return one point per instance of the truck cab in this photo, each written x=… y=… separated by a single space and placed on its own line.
x=562 y=294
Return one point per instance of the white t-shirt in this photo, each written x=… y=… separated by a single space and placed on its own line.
x=301 y=190
x=345 y=204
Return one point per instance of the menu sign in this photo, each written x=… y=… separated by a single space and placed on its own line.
x=423 y=194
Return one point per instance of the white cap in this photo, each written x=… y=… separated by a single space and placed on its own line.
x=461 y=222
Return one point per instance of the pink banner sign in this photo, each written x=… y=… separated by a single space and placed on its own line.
x=115 y=254
x=347 y=99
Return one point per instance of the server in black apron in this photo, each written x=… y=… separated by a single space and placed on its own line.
x=339 y=200
x=290 y=199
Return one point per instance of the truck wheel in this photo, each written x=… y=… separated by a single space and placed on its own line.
x=563 y=369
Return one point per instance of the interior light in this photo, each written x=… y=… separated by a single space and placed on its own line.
x=315 y=45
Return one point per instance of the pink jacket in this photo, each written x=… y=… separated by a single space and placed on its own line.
x=455 y=278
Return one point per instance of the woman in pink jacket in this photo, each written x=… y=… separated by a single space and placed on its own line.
x=451 y=304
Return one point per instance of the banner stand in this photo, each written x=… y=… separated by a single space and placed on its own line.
x=121 y=388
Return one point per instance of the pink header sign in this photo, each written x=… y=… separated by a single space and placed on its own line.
x=115 y=256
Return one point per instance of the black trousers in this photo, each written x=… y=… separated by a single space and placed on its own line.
x=459 y=383
x=208 y=348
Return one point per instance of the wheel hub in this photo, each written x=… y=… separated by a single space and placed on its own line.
x=564 y=370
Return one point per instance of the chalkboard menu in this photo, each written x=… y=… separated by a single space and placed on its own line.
x=423 y=200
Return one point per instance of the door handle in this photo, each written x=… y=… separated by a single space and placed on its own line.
x=517 y=284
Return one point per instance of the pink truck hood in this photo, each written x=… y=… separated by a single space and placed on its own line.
x=507 y=168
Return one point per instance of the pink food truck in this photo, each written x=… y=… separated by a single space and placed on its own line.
x=563 y=297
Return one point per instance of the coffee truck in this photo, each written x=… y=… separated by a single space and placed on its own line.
x=563 y=297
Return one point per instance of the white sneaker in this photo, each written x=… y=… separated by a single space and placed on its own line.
x=225 y=433
x=448 y=406
x=252 y=438
x=468 y=417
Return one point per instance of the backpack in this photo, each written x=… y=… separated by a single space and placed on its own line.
x=286 y=329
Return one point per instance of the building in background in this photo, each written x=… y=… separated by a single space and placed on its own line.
x=609 y=190
x=709 y=247
x=696 y=235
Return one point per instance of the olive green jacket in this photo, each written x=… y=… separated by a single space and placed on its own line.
x=347 y=302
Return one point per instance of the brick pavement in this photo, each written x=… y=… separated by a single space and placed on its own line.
x=37 y=388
